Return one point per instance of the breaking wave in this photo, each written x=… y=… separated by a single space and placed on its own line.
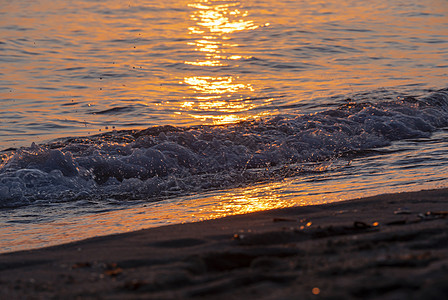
x=167 y=161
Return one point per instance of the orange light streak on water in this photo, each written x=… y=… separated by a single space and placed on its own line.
x=215 y=24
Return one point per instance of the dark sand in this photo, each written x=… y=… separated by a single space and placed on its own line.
x=384 y=247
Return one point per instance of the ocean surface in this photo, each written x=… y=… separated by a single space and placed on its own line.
x=121 y=115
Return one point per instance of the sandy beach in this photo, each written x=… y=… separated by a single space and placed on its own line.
x=389 y=247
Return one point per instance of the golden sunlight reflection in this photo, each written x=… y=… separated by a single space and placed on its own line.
x=215 y=22
x=215 y=85
x=249 y=200
x=228 y=119
x=214 y=25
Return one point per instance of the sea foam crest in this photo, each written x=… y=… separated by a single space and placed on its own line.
x=165 y=161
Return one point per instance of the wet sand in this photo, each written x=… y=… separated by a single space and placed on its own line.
x=384 y=247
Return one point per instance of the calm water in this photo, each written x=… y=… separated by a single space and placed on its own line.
x=339 y=99
x=78 y=67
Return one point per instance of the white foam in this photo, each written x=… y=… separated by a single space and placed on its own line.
x=166 y=161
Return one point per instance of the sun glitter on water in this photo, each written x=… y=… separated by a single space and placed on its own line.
x=215 y=23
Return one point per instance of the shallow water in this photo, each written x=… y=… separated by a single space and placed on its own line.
x=393 y=169
x=335 y=100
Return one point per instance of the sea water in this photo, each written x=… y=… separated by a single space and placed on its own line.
x=121 y=115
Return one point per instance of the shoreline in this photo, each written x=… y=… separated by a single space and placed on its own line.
x=390 y=246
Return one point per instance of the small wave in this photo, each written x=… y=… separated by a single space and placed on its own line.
x=166 y=161
x=70 y=103
x=114 y=110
